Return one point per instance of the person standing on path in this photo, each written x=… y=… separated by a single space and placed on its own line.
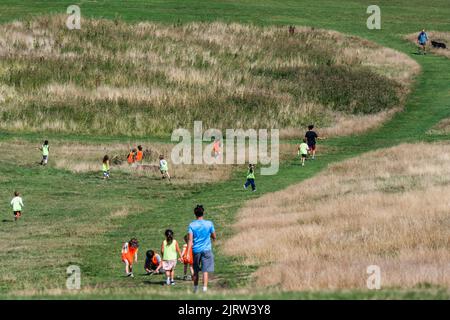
x=422 y=40
x=201 y=232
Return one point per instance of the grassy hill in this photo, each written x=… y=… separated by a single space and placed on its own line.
x=113 y=78
x=76 y=218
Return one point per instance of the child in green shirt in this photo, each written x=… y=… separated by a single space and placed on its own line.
x=45 y=150
x=250 y=177
x=105 y=167
x=303 y=151
x=17 y=205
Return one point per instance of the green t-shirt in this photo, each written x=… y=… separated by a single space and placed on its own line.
x=105 y=166
x=17 y=203
x=45 y=149
x=250 y=174
x=170 y=251
x=303 y=148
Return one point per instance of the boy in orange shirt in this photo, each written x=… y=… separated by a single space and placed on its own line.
x=129 y=255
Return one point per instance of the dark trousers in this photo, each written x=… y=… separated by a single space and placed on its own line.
x=250 y=182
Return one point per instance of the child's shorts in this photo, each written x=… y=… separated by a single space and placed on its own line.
x=45 y=159
x=169 y=265
x=304 y=155
x=106 y=174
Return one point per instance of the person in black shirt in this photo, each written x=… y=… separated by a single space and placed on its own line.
x=311 y=137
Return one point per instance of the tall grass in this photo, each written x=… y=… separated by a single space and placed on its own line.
x=115 y=78
x=385 y=208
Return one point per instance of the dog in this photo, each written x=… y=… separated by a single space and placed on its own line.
x=440 y=45
x=291 y=30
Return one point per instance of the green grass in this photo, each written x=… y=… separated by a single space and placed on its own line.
x=56 y=196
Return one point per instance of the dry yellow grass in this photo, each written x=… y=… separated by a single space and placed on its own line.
x=388 y=208
x=435 y=36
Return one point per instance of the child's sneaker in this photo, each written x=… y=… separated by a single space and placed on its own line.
x=172 y=283
x=245 y=187
x=254 y=190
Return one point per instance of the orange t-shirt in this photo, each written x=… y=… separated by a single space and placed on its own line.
x=139 y=155
x=128 y=253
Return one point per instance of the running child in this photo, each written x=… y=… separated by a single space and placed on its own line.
x=169 y=251
x=106 y=167
x=129 y=256
x=153 y=263
x=187 y=257
x=17 y=204
x=45 y=151
x=303 y=151
x=250 y=177
x=164 y=167
x=311 y=137
x=216 y=147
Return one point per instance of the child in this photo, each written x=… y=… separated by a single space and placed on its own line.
x=250 y=177
x=129 y=255
x=105 y=167
x=311 y=137
x=303 y=151
x=139 y=154
x=132 y=156
x=17 y=205
x=169 y=251
x=153 y=263
x=187 y=257
x=216 y=147
x=163 y=167
x=45 y=150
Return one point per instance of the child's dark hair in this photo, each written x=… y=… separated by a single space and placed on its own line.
x=46 y=142
x=161 y=156
x=199 y=210
x=133 y=243
x=310 y=127
x=150 y=254
x=169 y=236
x=16 y=193
x=140 y=148
x=105 y=158
x=304 y=139
x=186 y=238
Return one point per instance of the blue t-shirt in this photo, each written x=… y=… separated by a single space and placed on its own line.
x=201 y=231
x=422 y=37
